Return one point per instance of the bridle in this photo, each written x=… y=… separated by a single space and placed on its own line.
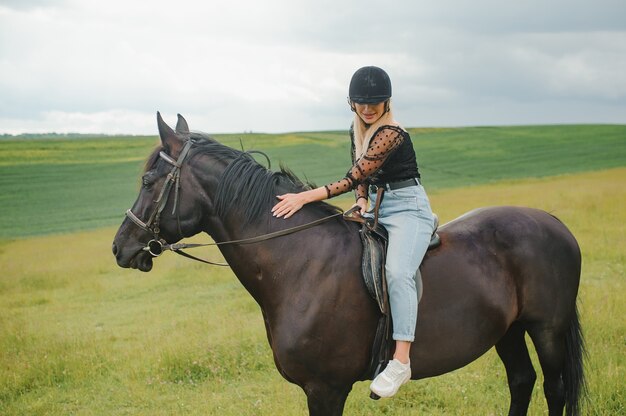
x=158 y=245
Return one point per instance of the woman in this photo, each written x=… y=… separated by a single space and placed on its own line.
x=383 y=156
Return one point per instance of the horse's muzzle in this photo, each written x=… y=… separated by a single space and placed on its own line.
x=137 y=258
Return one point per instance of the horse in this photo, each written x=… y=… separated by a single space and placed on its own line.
x=498 y=274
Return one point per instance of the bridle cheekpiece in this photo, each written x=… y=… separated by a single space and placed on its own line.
x=156 y=246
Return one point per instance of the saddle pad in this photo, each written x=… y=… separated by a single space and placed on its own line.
x=374 y=250
x=375 y=240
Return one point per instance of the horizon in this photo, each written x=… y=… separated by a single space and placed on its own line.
x=156 y=134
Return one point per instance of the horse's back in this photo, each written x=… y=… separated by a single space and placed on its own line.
x=530 y=245
x=521 y=232
x=494 y=266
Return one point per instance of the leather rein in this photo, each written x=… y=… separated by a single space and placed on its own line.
x=157 y=245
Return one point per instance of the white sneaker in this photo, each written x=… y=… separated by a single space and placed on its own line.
x=387 y=383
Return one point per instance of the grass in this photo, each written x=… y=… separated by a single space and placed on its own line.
x=70 y=184
x=80 y=336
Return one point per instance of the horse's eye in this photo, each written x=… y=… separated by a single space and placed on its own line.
x=147 y=181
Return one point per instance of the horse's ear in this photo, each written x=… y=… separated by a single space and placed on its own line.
x=181 y=125
x=172 y=142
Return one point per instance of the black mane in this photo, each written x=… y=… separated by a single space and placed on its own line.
x=246 y=185
x=204 y=144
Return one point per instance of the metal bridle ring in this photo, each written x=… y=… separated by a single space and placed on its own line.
x=154 y=247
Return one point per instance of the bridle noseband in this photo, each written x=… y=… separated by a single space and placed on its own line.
x=156 y=246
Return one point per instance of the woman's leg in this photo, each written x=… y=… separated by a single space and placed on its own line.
x=407 y=216
x=403 y=348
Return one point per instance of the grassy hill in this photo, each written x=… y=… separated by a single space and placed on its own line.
x=53 y=185
x=80 y=336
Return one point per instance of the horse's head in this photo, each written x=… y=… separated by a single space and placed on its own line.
x=170 y=203
x=192 y=184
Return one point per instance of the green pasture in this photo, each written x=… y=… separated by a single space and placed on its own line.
x=80 y=336
x=57 y=185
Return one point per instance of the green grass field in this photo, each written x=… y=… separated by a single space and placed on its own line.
x=60 y=185
x=80 y=336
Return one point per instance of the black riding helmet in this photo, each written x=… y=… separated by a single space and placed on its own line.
x=369 y=85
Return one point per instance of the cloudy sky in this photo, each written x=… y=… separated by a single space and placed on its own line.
x=95 y=66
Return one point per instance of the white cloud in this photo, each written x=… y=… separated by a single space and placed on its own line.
x=285 y=65
x=111 y=121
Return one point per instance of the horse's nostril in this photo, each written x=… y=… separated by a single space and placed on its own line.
x=114 y=249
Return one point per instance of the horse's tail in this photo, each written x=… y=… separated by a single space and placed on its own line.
x=573 y=372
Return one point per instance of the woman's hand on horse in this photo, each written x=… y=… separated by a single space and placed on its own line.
x=289 y=204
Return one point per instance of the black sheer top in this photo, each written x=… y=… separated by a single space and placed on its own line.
x=389 y=158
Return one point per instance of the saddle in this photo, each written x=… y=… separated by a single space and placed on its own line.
x=374 y=238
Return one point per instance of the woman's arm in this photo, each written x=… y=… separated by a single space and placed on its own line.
x=386 y=140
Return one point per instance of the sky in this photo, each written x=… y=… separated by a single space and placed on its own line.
x=92 y=66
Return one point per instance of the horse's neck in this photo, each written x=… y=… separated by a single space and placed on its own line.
x=249 y=262
x=266 y=269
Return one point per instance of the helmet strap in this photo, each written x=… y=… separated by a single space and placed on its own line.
x=351 y=104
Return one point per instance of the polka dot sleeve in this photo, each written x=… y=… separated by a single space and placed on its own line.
x=383 y=143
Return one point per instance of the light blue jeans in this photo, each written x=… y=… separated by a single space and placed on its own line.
x=408 y=218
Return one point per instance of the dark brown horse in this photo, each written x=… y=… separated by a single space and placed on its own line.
x=499 y=273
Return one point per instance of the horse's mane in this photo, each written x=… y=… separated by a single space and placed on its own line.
x=245 y=185
x=204 y=144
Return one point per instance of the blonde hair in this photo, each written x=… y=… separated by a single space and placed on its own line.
x=363 y=132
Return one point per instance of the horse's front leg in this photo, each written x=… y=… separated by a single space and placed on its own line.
x=326 y=400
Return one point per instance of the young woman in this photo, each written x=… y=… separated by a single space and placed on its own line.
x=383 y=156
